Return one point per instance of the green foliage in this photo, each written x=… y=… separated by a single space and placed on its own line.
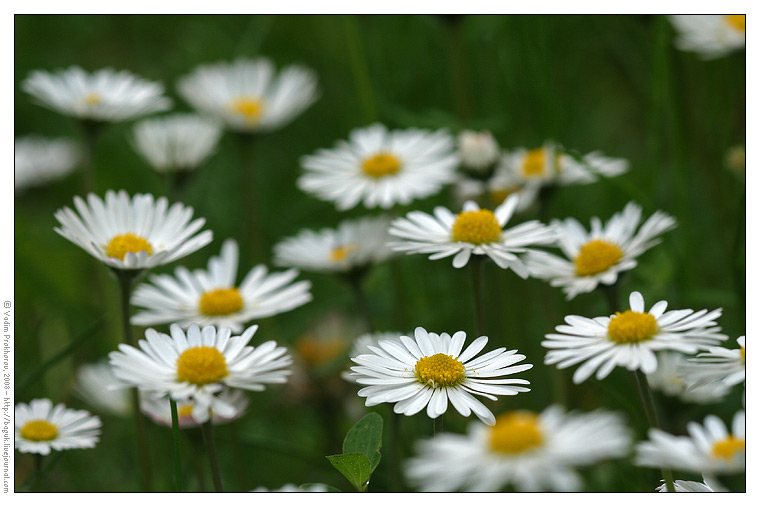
x=361 y=451
x=354 y=466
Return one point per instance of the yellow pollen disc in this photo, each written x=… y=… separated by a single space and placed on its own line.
x=39 y=431
x=123 y=243
x=317 y=351
x=439 y=370
x=499 y=195
x=476 y=227
x=534 y=164
x=515 y=432
x=341 y=253
x=201 y=365
x=92 y=99
x=381 y=165
x=743 y=353
x=596 y=257
x=221 y=301
x=249 y=108
x=736 y=21
x=632 y=327
x=185 y=410
x=728 y=448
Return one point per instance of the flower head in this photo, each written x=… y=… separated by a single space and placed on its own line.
x=41 y=427
x=478 y=151
x=672 y=378
x=719 y=365
x=711 y=35
x=710 y=485
x=38 y=161
x=160 y=411
x=97 y=385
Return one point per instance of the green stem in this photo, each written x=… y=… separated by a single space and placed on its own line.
x=208 y=439
x=612 y=297
x=437 y=425
x=91 y=133
x=255 y=240
x=459 y=84
x=394 y=454
x=175 y=436
x=359 y=69
x=37 y=472
x=645 y=394
x=360 y=299
x=476 y=277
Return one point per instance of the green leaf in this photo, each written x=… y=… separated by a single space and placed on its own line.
x=366 y=437
x=354 y=466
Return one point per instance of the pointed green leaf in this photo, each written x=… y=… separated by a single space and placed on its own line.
x=354 y=466
x=366 y=437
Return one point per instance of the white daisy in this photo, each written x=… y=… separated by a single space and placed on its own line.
x=718 y=366
x=137 y=233
x=710 y=485
x=104 y=95
x=711 y=35
x=248 y=95
x=160 y=411
x=211 y=296
x=355 y=244
x=38 y=161
x=600 y=255
x=709 y=448
x=292 y=488
x=494 y=191
x=178 y=142
x=381 y=168
x=532 y=452
x=362 y=346
x=97 y=385
x=671 y=378
x=478 y=151
x=472 y=231
x=198 y=366
x=630 y=339
x=431 y=370
x=40 y=427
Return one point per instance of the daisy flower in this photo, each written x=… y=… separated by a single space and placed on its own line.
x=160 y=411
x=40 y=427
x=362 y=346
x=719 y=366
x=354 y=245
x=473 y=231
x=495 y=190
x=98 y=386
x=710 y=485
x=735 y=161
x=478 y=151
x=671 y=377
x=211 y=296
x=105 y=95
x=709 y=448
x=431 y=370
x=630 y=339
x=248 y=95
x=600 y=255
x=178 y=142
x=38 y=161
x=128 y=234
x=292 y=488
x=381 y=168
x=712 y=35
x=197 y=366
x=532 y=452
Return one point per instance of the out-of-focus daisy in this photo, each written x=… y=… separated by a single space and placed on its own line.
x=211 y=296
x=38 y=161
x=40 y=427
x=473 y=231
x=137 y=233
x=709 y=448
x=736 y=161
x=671 y=378
x=600 y=255
x=718 y=365
x=178 y=142
x=478 y=151
x=711 y=35
x=292 y=488
x=249 y=95
x=354 y=245
x=532 y=452
x=381 y=168
x=104 y=95
x=159 y=409
x=362 y=346
x=197 y=366
x=710 y=485
x=630 y=339
x=97 y=385
x=495 y=190
x=431 y=370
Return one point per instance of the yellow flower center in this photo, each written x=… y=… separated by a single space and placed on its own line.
x=92 y=99
x=381 y=165
x=727 y=448
x=185 y=410
x=317 y=351
x=515 y=432
x=736 y=21
x=439 y=370
x=201 y=366
x=632 y=327
x=123 y=243
x=743 y=353
x=341 y=253
x=476 y=227
x=249 y=108
x=596 y=257
x=39 y=431
x=221 y=301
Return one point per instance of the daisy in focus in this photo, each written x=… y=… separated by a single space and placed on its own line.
x=532 y=452
x=473 y=231
x=211 y=296
x=38 y=161
x=431 y=370
x=40 y=427
x=600 y=255
x=354 y=246
x=362 y=346
x=160 y=411
x=712 y=35
x=719 y=365
x=196 y=366
x=134 y=233
x=105 y=95
x=709 y=448
x=178 y=142
x=380 y=167
x=249 y=95
x=671 y=378
x=98 y=386
x=630 y=339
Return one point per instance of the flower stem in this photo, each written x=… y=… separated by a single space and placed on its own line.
x=476 y=277
x=91 y=130
x=255 y=241
x=175 y=436
x=437 y=425
x=360 y=298
x=208 y=438
x=359 y=69
x=394 y=454
x=611 y=294
x=645 y=394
